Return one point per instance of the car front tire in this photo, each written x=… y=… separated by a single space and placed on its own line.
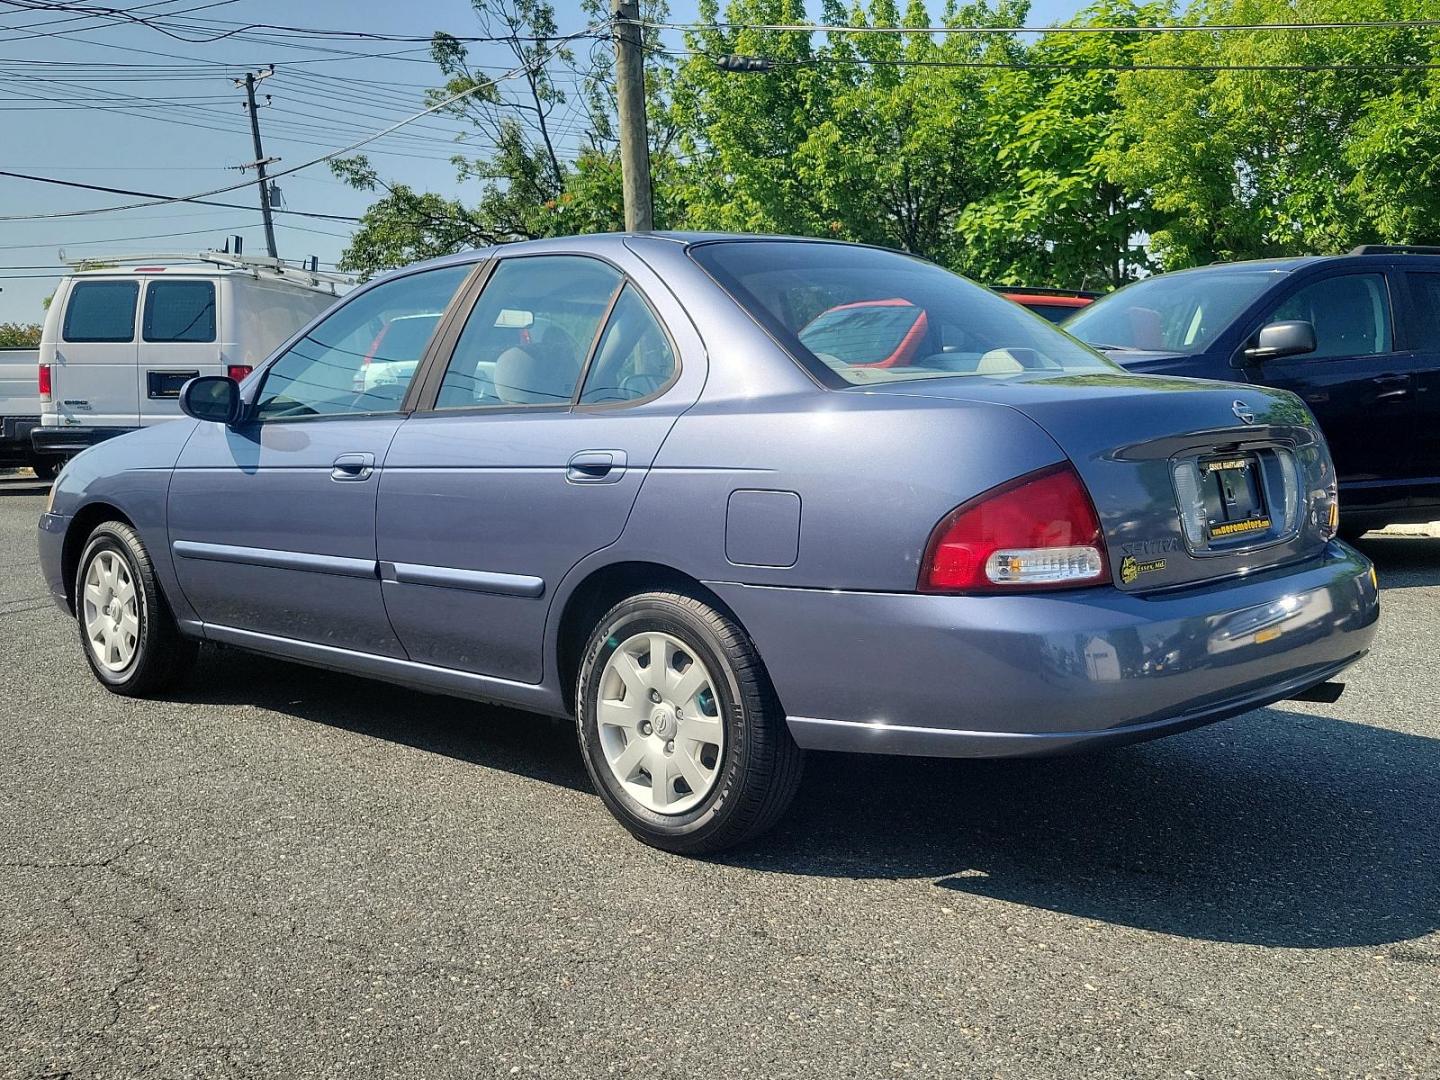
x=127 y=632
x=680 y=728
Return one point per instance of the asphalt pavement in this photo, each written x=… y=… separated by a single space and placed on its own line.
x=280 y=872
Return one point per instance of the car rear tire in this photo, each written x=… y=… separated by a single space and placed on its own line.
x=680 y=728
x=127 y=632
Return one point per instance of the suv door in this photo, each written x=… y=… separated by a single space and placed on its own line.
x=93 y=377
x=1422 y=334
x=272 y=520
x=527 y=455
x=1360 y=388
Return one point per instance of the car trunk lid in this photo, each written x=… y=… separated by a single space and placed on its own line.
x=1192 y=480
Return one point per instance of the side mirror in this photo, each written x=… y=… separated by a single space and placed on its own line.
x=215 y=398
x=1289 y=338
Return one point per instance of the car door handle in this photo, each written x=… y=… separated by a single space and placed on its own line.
x=595 y=467
x=1400 y=382
x=351 y=467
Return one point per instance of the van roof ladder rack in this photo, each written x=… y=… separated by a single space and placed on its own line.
x=309 y=275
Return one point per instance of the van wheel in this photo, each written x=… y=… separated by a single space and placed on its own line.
x=680 y=728
x=45 y=468
x=128 y=634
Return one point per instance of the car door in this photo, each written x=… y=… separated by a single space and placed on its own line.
x=94 y=371
x=528 y=455
x=272 y=519
x=1360 y=388
x=178 y=341
x=1422 y=336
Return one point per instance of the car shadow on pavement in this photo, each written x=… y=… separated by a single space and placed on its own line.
x=1276 y=828
x=1403 y=562
x=495 y=737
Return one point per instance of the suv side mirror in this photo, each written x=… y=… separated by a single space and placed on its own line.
x=215 y=398
x=1289 y=338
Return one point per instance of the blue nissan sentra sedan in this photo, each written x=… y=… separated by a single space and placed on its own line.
x=724 y=499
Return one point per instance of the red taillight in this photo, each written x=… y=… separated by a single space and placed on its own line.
x=44 y=382
x=239 y=371
x=1037 y=532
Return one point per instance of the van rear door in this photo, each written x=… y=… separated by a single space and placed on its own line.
x=178 y=341
x=93 y=378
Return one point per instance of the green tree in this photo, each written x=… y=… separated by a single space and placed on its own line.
x=1056 y=216
x=1251 y=144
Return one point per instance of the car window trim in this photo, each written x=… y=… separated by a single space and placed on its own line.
x=134 y=283
x=1384 y=273
x=424 y=404
x=406 y=405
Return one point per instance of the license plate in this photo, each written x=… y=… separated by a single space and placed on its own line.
x=1234 y=499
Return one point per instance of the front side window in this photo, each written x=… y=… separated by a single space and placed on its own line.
x=526 y=341
x=101 y=311
x=362 y=357
x=1180 y=314
x=855 y=315
x=179 y=311
x=1350 y=313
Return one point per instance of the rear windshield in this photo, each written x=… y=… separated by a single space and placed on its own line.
x=1174 y=313
x=856 y=315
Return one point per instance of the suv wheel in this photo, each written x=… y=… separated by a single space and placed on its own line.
x=128 y=634
x=679 y=726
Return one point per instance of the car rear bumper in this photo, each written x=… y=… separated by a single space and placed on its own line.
x=71 y=440
x=978 y=676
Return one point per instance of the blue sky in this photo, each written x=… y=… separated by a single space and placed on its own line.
x=66 y=116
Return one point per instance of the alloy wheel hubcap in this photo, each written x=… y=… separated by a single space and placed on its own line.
x=659 y=723
x=111 y=611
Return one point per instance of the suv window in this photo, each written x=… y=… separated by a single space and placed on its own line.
x=101 y=311
x=1350 y=313
x=362 y=357
x=179 y=311
x=526 y=341
x=1425 y=292
x=633 y=360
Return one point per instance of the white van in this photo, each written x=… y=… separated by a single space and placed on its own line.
x=121 y=340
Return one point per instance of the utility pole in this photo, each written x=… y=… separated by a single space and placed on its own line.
x=634 y=131
x=251 y=78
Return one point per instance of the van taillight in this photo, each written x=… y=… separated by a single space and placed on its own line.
x=239 y=371
x=44 y=382
x=1037 y=532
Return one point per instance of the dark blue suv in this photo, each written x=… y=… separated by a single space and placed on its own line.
x=1357 y=336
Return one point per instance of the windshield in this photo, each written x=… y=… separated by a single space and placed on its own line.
x=1174 y=313
x=856 y=315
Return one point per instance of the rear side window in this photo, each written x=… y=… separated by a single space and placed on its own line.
x=1425 y=293
x=179 y=311
x=101 y=311
x=633 y=360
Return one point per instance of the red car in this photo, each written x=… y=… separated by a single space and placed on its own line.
x=1057 y=305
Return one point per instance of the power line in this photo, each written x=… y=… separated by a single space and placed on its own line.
x=521 y=70
x=160 y=199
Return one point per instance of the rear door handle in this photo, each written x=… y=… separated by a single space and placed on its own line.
x=595 y=467
x=352 y=467
x=1400 y=382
